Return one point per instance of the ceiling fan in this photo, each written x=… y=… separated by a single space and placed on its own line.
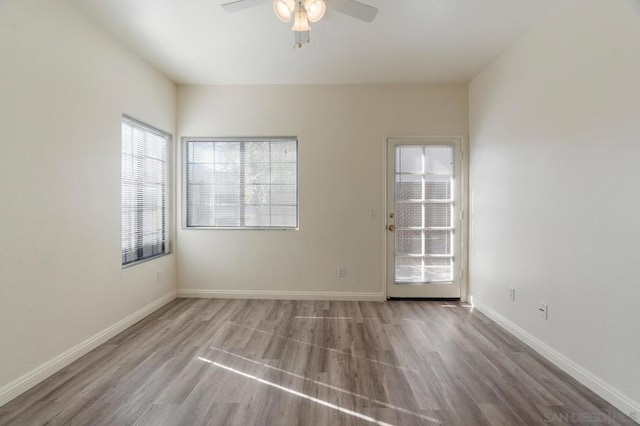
x=305 y=12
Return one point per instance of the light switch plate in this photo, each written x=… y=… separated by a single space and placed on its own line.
x=543 y=310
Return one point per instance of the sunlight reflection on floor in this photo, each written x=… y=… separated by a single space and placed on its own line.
x=322 y=347
x=385 y=404
x=296 y=393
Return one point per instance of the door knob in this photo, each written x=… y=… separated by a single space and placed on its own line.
x=392 y=228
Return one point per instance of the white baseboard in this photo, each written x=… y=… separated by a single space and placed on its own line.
x=40 y=373
x=281 y=295
x=607 y=392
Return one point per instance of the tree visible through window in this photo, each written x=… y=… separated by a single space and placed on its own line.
x=249 y=183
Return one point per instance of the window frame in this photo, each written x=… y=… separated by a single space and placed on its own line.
x=185 y=163
x=168 y=207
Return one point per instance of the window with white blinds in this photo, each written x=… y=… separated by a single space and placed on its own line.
x=241 y=183
x=145 y=191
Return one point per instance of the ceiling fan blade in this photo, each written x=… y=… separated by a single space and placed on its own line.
x=237 y=5
x=354 y=8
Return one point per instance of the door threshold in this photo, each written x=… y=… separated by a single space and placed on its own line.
x=424 y=299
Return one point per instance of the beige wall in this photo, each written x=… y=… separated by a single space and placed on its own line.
x=341 y=131
x=63 y=88
x=555 y=144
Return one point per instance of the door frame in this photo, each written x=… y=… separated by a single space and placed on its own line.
x=464 y=203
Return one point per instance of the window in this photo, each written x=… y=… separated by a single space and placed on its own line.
x=145 y=191
x=241 y=183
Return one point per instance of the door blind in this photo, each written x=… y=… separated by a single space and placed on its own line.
x=239 y=184
x=424 y=206
x=145 y=155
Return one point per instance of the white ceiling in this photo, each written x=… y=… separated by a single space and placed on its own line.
x=411 y=41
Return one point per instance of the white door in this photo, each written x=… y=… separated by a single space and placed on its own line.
x=424 y=218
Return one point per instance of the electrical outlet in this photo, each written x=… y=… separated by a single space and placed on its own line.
x=159 y=276
x=341 y=271
x=543 y=310
x=372 y=214
x=512 y=294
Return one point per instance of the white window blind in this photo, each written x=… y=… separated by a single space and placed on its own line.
x=239 y=184
x=424 y=208
x=145 y=170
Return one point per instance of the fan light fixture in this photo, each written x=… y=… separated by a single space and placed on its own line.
x=283 y=9
x=305 y=11
x=301 y=22
x=315 y=9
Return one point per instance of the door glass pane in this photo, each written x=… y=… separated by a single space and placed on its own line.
x=409 y=159
x=409 y=215
x=424 y=203
x=438 y=242
x=408 y=269
x=408 y=187
x=438 y=270
x=438 y=159
x=437 y=215
x=409 y=242
x=437 y=187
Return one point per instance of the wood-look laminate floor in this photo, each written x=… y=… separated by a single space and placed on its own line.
x=261 y=362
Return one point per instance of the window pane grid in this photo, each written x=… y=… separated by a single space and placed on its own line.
x=424 y=206
x=241 y=183
x=145 y=153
